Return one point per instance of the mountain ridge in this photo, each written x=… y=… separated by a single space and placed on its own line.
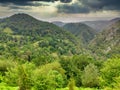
x=107 y=42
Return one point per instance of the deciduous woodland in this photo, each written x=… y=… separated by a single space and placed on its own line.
x=37 y=55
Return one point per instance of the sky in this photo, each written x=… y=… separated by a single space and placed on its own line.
x=62 y=10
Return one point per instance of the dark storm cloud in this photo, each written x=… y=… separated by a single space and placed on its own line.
x=80 y=6
x=73 y=8
x=27 y=2
x=20 y=2
x=102 y=4
x=86 y=6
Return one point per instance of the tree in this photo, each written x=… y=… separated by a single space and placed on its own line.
x=24 y=81
x=48 y=77
x=71 y=84
x=57 y=77
x=43 y=82
x=20 y=75
x=110 y=71
x=90 y=76
x=74 y=66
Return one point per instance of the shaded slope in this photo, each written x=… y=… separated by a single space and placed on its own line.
x=58 y=23
x=83 y=32
x=101 y=25
x=107 y=43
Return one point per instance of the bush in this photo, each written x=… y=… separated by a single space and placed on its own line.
x=48 y=77
x=4 y=64
x=110 y=71
x=20 y=75
x=90 y=76
x=71 y=84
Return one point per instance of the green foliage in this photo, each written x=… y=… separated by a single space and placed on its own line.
x=74 y=66
x=57 y=77
x=20 y=75
x=71 y=84
x=83 y=32
x=27 y=39
x=43 y=82
x=8 y=30
x=4 y=64
x=36 y=55
x=90 y=76
x=48 y=77
x=110 y=71
x=25 y=81
x=1 y=78
x=107 y=42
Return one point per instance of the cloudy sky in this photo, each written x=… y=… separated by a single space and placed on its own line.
x=62 y=10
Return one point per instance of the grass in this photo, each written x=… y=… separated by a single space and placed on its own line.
x=3 y=86
x=76 y=88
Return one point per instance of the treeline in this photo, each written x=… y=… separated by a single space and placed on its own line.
x=49 y=74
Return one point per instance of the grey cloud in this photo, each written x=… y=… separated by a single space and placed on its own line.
x=27 y=2
x=73 y=8
x=90 y=6
x=101 y=4
x=82 y=6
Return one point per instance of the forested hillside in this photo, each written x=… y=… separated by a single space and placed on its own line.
x=107 y=43
x=83 y=32
x=37 y=55
x=22 y=33
x=100 y=25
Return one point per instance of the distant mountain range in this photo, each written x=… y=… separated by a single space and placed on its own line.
x=58 y=23
x=100 y=25
x=101 y=37
x=97 y=25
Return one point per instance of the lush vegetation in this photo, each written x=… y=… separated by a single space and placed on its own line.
x=36 y=55
x=107 y=43
x=83 y=32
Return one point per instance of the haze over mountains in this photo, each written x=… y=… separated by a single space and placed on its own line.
x=108 y=41
x=103 y=37
x=98 y=25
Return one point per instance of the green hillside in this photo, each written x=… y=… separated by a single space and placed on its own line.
x=37 y=55
x=107 y=43
x=22 y=34
x=83 y=32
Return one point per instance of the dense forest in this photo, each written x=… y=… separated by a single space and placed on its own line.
x=37 y=55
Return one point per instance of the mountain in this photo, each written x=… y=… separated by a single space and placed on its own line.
x=115 y=19
x=97 y=25
x=107 y=42
x=101 y=25
x=21 y=33
x=83 y=32
x=58 y=23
